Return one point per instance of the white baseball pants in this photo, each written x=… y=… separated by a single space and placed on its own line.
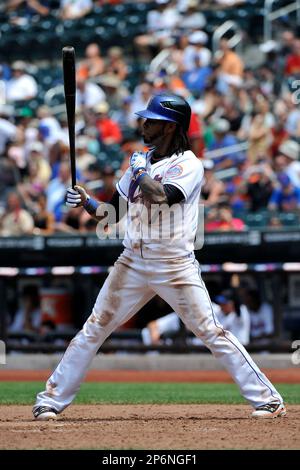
x=132 y=283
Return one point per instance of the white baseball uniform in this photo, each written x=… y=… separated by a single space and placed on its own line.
x=168 y=268
x=172 y=234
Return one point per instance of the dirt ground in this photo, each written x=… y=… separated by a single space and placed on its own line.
x=291 y=376
x=149 y=427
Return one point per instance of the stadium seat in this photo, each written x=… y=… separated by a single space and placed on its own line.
x=114 y=152
x=289 y=219
x=115 y=164
x=89 y=22
x=102 y=158
x=120 y=9
x=98 y=10
x=256 y=220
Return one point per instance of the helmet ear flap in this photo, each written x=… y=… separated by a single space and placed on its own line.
x=180 y=109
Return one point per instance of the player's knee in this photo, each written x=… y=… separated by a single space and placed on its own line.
x=101 y=319
x=209 y=335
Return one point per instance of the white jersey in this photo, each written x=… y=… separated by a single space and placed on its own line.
x=21 y=88
x=238 y=325
x=262 y=321
x=160 y=231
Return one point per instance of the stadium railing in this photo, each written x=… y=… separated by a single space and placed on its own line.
x=130 y=341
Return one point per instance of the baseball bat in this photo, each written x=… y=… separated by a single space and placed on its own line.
x=68 y=59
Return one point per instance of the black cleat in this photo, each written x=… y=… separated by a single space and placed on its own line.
x=44 y=413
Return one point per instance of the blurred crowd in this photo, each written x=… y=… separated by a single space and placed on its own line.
x=22 y=11
x=245 y=120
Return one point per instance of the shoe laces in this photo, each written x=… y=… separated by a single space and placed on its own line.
x=271 y=407
x=42 y=409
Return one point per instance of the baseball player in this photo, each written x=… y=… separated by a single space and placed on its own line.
x=167 y=177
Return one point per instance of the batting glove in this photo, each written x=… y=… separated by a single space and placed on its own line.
x=138 y=162
x=76 y=197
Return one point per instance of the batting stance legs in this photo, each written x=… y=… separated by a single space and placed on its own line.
x=131 y=284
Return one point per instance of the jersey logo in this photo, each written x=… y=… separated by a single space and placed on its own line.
x=157 y=178
x=174 y=171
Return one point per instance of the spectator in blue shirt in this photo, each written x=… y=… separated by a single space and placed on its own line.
x=197 y=79
x=223 y=138
x=56 y=191
x=285 y=198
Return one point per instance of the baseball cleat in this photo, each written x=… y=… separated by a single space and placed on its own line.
x=270 y=410
x=45 y=413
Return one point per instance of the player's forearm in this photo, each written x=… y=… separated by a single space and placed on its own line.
x=117 y=204
x=152 y=190
x=41 y=9
x=92 y=208
x=112 y=211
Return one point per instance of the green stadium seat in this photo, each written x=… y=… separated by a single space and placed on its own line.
x=69 y=24
x=144 y=7
x=89 y=22
x=289 y=219
x=48 y=24
x=115 y=164
x=114 y=152
x=121 y=9
x=102 y=158
x=222 y=15
x=98 y=10
x=110 y=21
x=47 y=81
x=256 y=220
x=242 y=13
x=134 y=19
x=5 y=28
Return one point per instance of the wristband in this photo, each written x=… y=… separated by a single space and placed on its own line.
x=140 y=175
x=91 y=206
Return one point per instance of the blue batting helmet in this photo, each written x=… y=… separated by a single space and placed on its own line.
x=168 y=107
